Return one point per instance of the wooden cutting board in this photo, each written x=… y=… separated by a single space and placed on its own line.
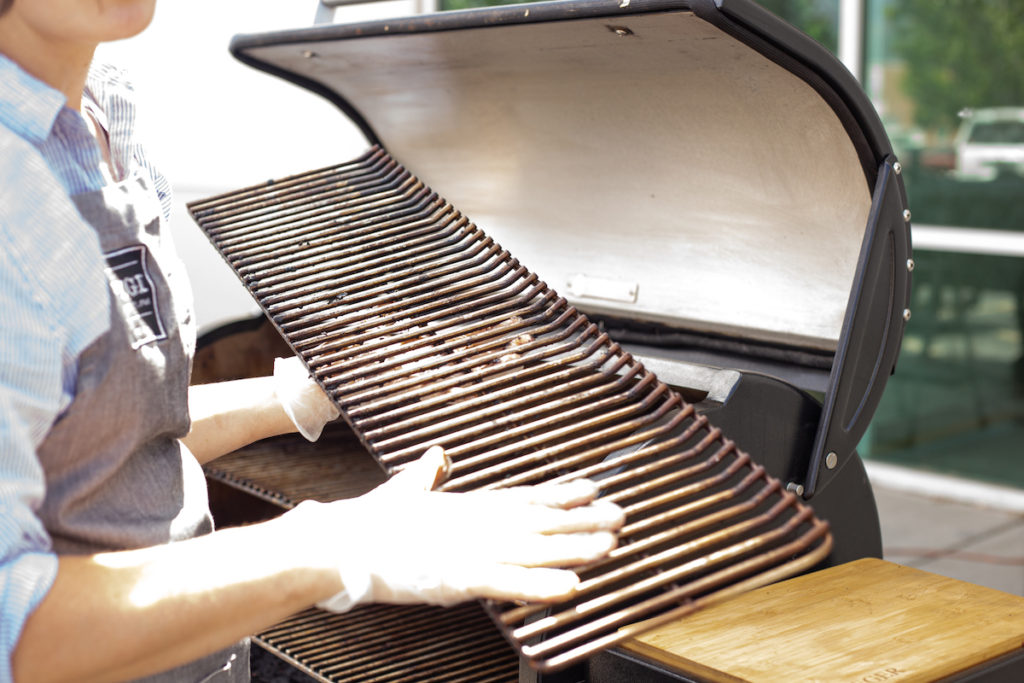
x=867 y=621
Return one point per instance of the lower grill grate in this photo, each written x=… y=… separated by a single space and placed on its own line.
x=388 y=644
x=424 y=330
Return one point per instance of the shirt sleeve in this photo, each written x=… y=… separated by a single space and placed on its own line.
x=30 y=390
x=43 y=285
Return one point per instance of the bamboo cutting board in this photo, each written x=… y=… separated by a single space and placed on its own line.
x=866 y=621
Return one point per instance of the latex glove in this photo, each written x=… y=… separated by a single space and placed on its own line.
x=306 y=404
x=404 y=543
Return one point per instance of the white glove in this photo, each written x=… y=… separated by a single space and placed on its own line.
x=302 y=398
x=403 y=543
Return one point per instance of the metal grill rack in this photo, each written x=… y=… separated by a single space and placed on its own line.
x=423 y=330
x=389 y=644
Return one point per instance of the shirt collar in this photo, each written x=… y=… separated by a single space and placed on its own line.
x=28 y=106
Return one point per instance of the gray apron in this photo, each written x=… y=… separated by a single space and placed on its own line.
x=117 y=476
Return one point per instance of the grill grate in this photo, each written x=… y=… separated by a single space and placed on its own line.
x=391 y=644
x=424 y=330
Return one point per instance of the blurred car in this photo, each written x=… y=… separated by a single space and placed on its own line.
x=990 y=141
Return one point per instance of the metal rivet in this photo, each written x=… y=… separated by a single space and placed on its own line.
x=906 y=314
x=798 y=489
x=831 y=460
x=910 y=265
x=906 y=215
x=897 y=168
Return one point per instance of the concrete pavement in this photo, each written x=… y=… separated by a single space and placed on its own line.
x=950 y=526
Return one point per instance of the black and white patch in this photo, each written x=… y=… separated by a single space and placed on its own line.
x=134 y=292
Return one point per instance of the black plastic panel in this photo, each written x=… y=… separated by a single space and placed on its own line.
x=875 y=321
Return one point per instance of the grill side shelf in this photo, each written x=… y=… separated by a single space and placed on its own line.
x=423 y=330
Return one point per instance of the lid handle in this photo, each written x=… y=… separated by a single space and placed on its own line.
x=876 y=317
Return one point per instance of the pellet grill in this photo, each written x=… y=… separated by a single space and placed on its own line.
x=664 y=245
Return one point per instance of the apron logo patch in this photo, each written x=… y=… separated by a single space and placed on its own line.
x=134 y=292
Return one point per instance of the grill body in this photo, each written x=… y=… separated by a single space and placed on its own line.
x=544 y=125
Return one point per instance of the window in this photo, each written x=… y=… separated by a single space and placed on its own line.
x=947 y=79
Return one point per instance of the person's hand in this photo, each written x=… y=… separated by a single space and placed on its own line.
x=404 y=543
x=305 y=403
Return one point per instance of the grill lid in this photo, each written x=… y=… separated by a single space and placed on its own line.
x=626 y=150
x=699 y=164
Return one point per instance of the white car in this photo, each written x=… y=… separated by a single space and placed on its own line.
x=990 y=141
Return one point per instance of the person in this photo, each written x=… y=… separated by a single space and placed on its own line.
x=109 y=565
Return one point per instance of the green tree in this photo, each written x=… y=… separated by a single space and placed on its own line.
x=817 y=18
x=959 y=53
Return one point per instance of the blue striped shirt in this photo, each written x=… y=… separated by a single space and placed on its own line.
x=53 y=297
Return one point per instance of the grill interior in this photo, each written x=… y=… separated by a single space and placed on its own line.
x=424 y=330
